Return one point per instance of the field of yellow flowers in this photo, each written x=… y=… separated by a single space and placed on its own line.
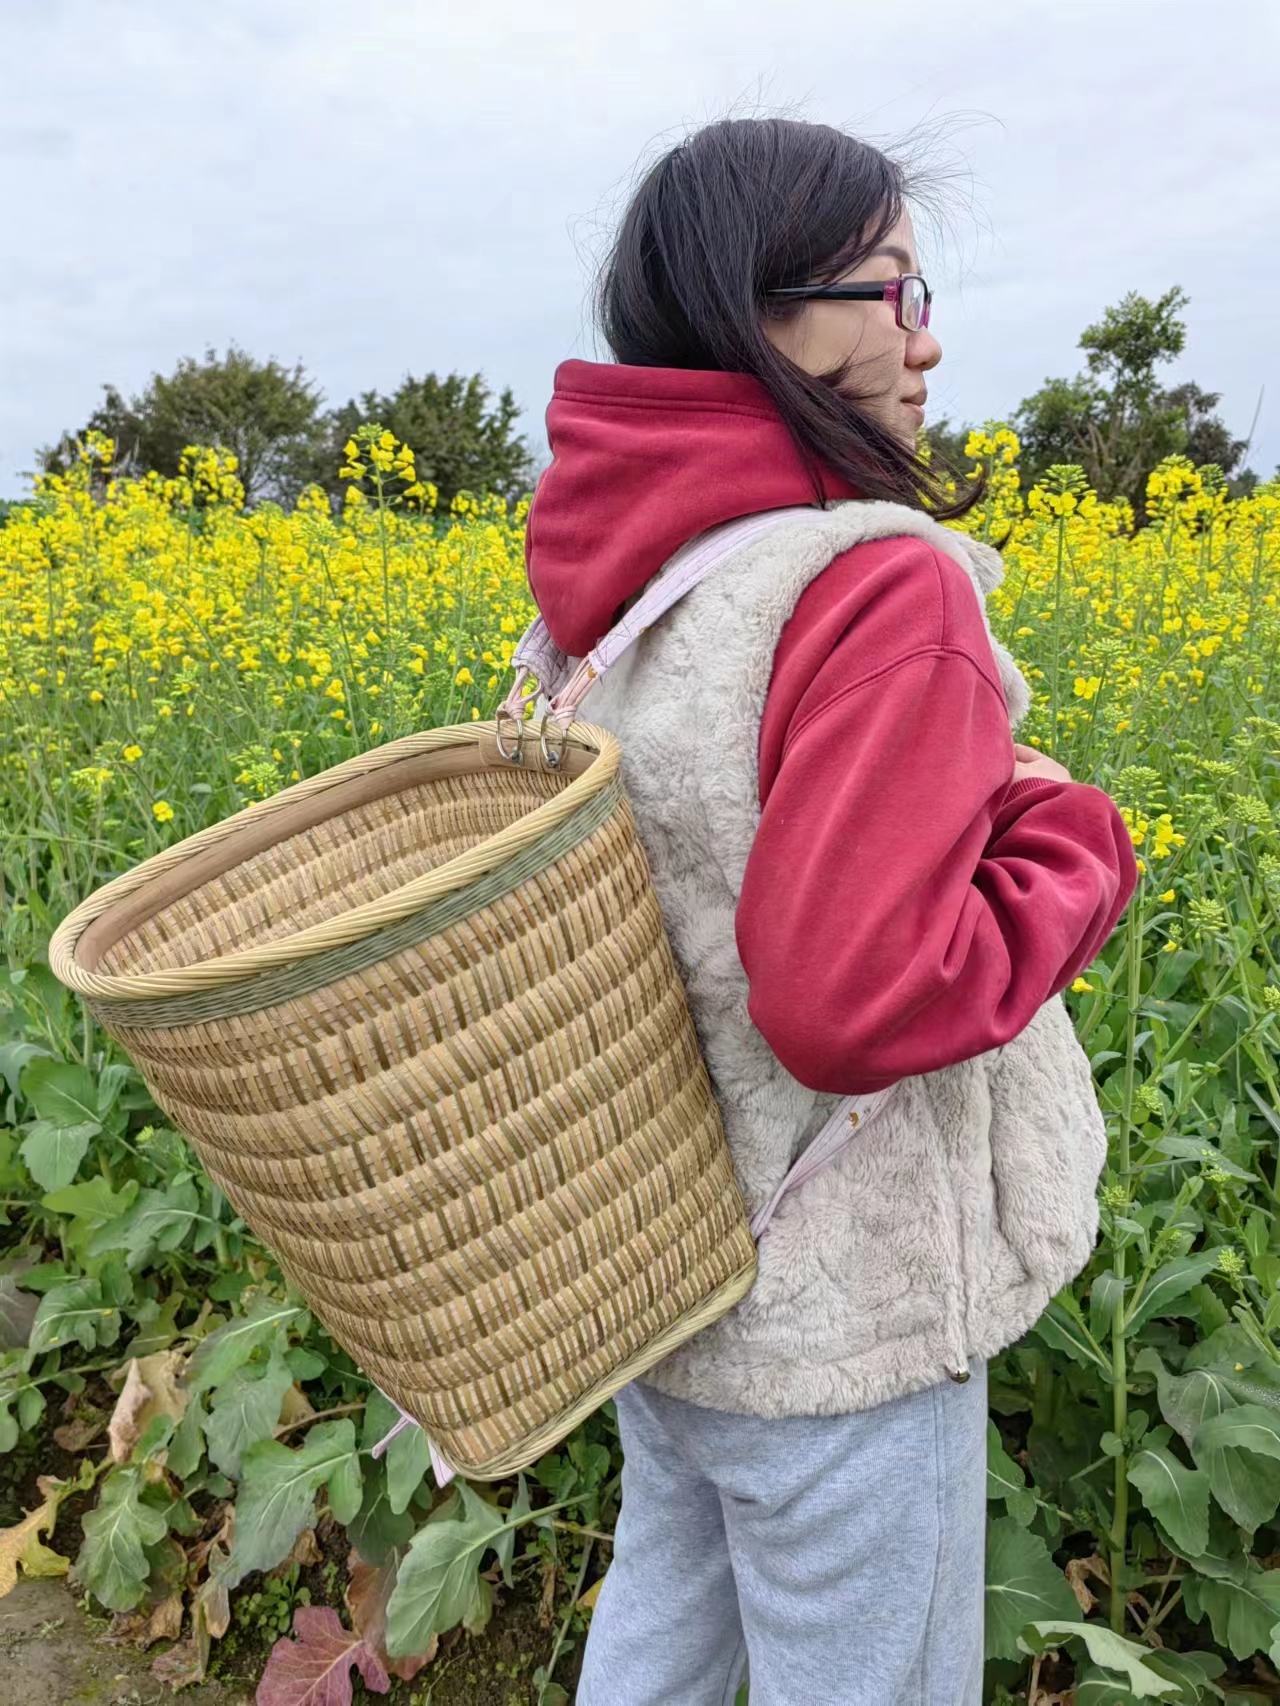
x=167 y=656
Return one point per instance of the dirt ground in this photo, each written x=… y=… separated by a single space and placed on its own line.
x=51 y=1654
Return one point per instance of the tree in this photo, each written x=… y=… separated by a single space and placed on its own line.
x=1115 y=419
x=266 y=415
x=461 y=438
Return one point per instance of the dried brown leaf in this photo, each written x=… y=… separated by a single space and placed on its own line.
x=15 y=1541
x=150 y=1389
x=1077 y=1570
x=295 y=1407
x=160 y=1622
x=305 y=1550
x=75 y=1436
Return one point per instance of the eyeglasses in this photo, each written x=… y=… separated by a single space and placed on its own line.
x=908 y=292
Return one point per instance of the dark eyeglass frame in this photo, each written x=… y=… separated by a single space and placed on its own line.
x=872 y=290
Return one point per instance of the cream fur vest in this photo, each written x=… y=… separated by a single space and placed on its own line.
x=942 y=1232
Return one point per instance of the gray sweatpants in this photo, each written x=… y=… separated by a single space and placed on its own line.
x=839 y=1558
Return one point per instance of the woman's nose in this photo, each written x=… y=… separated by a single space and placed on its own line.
x=923 y=350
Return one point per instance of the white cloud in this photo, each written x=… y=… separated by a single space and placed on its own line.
x=395 y=187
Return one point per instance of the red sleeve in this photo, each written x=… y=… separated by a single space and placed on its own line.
x=904 y=907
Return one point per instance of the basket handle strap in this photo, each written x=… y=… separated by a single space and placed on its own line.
x=537 y=656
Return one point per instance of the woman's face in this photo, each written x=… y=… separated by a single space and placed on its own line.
x=889 y=363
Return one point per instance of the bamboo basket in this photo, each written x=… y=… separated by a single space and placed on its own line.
x=420 y=1020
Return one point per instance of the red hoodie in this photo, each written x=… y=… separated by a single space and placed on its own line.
x=904 y=905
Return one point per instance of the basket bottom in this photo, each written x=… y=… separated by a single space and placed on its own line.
x=453 y=1444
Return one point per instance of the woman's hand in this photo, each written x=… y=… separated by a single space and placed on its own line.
x=1029 y=762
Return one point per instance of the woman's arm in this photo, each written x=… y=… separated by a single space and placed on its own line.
x=906 y=904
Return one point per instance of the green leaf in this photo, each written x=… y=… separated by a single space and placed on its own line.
x=187 y=1446
x=158 y=1220
x=13 y=1057
x=408 y=1460
x=92 y=1199
x=1198 y=1150
x=1242 y=1615
x=246 y=1408
x=61 y=1093
x=1167 y=1285
x=439 y=1584
x=52 y=1153
x=1186 y=1400
x=1248 y=1426
x=1176 y=1496
x=1107 y=1649
x=112 y=1563
x=1005 y=1480
x=1195 y=1671
x=217 y=1357
x=346 y=1490
x=1063 y=1330
x=1103 y=1292
x=376 y=1530
x=17 y=1307
x=277 y=1494
x=74 y=1314
x=1242 y=1461
x=506 y=1547
x=1023 y=1584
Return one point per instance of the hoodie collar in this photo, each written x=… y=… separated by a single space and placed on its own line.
x=644 y=458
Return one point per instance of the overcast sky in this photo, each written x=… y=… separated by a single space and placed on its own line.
x=378 y=187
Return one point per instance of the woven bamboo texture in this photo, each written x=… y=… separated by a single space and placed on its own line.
x=420 y=1019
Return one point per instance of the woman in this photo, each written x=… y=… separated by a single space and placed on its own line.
x=866 y=883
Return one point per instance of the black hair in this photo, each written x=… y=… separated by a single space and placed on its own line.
x=742 y=206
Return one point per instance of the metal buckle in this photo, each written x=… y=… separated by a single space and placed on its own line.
x=553 y=763
x=516 y=757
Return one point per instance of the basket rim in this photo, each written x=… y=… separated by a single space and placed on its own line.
x=347 y=926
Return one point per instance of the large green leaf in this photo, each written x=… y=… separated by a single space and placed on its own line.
x=75 y=1313
x=13 y=1057
x=60 y=1092
x=1186 y=1400
x=52 y=1153
x=245 y=1409
x=1176 y=1496
x=439 y=1584
x=1023 y=1585
x=112 y=1563
x=1243 y=1615
x=1107 y=1649
x=1248 y=1426
x=277 y=1494
x=158 y=1220
x=217 y=1357
x=1242 y=1457
x=1161 y=1293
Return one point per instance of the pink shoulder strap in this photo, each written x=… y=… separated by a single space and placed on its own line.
x=537 y=656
